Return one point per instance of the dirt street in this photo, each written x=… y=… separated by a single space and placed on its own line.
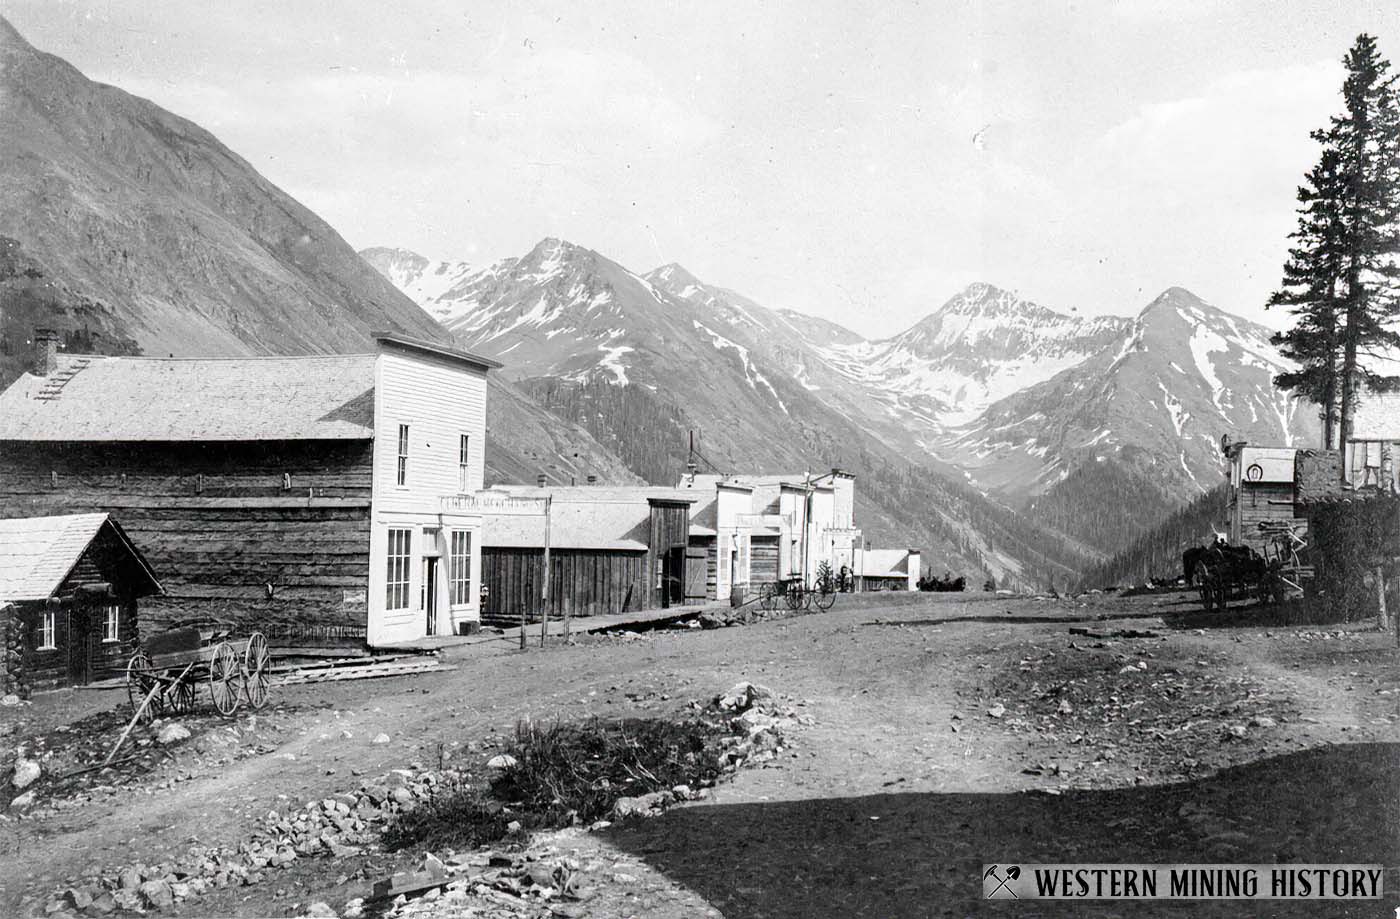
x=950 y=730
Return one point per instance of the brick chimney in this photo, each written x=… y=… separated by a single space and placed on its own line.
x=542 y=480
x=45 y=352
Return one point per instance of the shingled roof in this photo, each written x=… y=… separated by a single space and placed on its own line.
x=37 y=553
x=95 y=398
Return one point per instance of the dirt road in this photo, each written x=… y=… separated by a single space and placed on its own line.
x=950 y=731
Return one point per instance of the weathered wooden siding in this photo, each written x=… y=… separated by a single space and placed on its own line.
x=763 y=560
x=584 y=582
x=1261 y=502
x=225 y=532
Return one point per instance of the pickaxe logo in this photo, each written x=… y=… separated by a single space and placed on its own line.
x=1012 y=873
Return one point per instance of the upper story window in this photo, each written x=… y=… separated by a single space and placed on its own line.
x=47 y=635
x=460 y=568
x=464 y=464
x=396 y=578
x=111 y=622
x=402 y=474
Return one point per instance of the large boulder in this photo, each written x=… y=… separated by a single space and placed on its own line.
x=157 y=894
x=742 y=696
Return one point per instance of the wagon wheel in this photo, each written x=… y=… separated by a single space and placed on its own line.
x=257 y=664
x=140 y=677
x=795 y=598
x=767 y=599
x=826 y=596
x=1205 y=586
x=181 y=694
x=224 y=676
x=1222 y=595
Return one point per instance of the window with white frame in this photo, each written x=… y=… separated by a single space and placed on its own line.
x=459 y=568
x=402 y=474
x=47 y=636
x=396 y=581
x=111 y=622
x=464 y=464
x=723 y=559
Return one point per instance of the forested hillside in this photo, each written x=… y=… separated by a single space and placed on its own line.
x=1158 y=553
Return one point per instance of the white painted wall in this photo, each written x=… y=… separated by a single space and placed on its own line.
x=439 y=399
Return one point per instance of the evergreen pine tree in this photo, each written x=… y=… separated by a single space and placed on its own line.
x=1367 y=141
x=1341 y=277
x=1312 y=277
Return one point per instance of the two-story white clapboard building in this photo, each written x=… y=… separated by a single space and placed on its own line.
x=316 y=498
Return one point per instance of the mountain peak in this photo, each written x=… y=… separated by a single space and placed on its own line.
x=1174 y=297
x=672 y=275
x=10 y=39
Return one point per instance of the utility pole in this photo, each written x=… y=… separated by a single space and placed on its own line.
x=544 y=607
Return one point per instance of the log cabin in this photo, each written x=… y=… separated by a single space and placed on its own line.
x=69 y=593
x=309 y=497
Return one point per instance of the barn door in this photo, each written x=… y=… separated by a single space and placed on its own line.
x=695 y=574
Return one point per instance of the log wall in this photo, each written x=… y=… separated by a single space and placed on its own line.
x=273 y=536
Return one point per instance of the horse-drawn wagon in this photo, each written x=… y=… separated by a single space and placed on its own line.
x=1222 y=572
x=165 y=673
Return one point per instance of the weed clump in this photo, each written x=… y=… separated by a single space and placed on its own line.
x=560 y=773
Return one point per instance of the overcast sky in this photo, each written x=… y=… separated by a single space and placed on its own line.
x=861 y=165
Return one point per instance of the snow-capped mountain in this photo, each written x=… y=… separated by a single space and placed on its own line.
x=1092 y=427
x=640 y=361
x=980 y=346
x=425 y=281
x=1149 y=408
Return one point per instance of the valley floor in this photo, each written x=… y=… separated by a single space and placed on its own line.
x=950 y=730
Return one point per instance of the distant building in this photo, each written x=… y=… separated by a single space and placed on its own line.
x=70 y=587
x=1373 y=450
x=611 y=550
x=890 y=569
x=307 y=497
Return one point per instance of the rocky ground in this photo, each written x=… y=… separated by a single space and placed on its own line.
x=922 y=736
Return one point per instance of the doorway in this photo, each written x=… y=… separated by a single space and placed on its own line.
x=80 y=642
x=430 y=594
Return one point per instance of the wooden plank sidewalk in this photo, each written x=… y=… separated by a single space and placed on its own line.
x=579 y=625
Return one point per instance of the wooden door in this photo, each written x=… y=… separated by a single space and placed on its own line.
x=430 y=594
x=695 y=573
x=79 y=640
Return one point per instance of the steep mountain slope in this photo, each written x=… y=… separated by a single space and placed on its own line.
x=424 y=282
x=1151 y=406
x=640 y=367
x=164 y=238
x=132 y=231
x=1158 y=398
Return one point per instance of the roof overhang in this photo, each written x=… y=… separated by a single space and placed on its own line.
x=423 y=346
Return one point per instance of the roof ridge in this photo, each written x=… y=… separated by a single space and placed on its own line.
x=246 y=357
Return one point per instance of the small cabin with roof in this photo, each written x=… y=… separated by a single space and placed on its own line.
x=69 y=593
x=308 y=497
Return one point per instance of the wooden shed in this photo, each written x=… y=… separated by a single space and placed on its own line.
x=611 y=550
x=69 y=593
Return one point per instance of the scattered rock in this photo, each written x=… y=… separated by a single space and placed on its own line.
x=173 y=732
x=321 y=910
x=500 y=761
x=1065 y=708
x=23 y=802
x=27 y=772
x=996 y=711
x=380 y=739
x=156 y=894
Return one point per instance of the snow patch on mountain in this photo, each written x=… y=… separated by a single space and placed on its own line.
x=751 y=373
